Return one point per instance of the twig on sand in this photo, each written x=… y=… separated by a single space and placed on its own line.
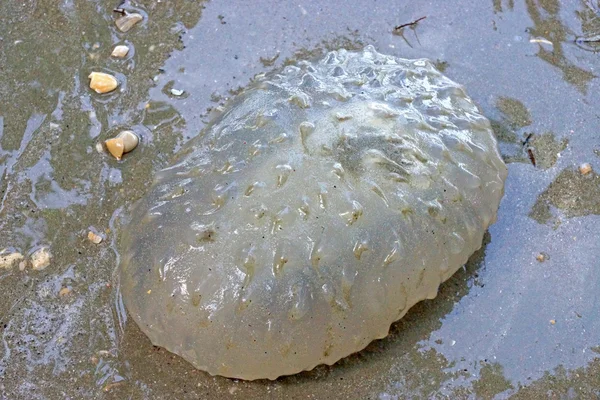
x=119 y=9
x=398 y=29
x=527 y=139
x=590 y=39
x=531 y=156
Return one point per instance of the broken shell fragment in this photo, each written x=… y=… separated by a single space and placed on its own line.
x=40 y=259
x=8 y=260
x=102 y=83
x=120 y=51
x=94 y=238
x=585 y=168
x=128 y=21
x=123 y=143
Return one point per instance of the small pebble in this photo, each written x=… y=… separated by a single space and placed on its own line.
x=64 y=291
x=176 y=92
x=553 y=321
x=109 y=386
x=128 y=21
x=96 y=239
x=541 y=257
x=102 y=83
x=8 y=260
x=585 y=168
x=40 y=259
x=120 y=51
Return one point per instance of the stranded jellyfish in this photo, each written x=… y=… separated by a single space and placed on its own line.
x=327 y=199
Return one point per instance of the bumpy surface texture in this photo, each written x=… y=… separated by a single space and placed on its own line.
x=325 y=201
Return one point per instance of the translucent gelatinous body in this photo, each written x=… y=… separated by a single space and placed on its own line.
x=325 y=201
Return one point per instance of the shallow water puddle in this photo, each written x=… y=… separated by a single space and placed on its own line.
x=506 y=325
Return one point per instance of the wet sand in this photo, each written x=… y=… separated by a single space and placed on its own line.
x=507 y=325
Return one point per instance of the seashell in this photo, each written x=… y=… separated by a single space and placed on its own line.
x=123 y=143
x=585 y=168
x=8 y=260
x=94 y=238
x=127 y=21
x=40 y=259
x=102 y=83
x=309 y=249
x=115 y=147
x=120 y=51
x=130 y=140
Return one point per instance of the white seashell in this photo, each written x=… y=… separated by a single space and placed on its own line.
x=127 y=21
x=120 y=51
x=8 y=260
x=40 y=259
x=130 y=140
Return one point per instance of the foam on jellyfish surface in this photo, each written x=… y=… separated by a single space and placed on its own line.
x=326 y=200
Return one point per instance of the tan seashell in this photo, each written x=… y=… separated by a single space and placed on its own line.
x=123 y=143
x=120 y=51
x=115 y=147
x=127 y=22
x=94 y=238
x=102 y=83
x=130 y=140
x=585 y=168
